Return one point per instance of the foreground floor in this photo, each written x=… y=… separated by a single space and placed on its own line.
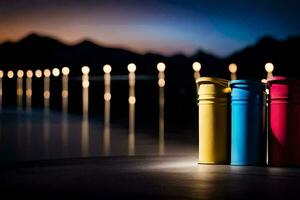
x=145 y=178
x=55 y=156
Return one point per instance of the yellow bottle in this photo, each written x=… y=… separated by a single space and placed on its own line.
x=214 y=121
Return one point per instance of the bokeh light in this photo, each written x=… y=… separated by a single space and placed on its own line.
x=38 y=73
x=107 y=68
x=1 y=74
x=196 y=66
x=85 y=70
x=85 y=83
x=29 y=74
x=46 y=94
x=10 y=74
x=20 y=73
x=269 y=67
x=29 y=92
x=232 y=68
x=64 y=94
x=131 y=100
x=161 y=82
x=161 y=67
x=131 y=67
x=47 y=72
x=107 y=96
x=65 y=70
x=55 y=72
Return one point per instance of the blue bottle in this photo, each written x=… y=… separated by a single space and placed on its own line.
x=247 y=135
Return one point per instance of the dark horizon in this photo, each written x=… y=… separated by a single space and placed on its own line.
x=90 y=40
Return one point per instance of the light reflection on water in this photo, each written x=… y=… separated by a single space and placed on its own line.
x=49 y=135
x=131 y=101
x=161 y=78
x=107 y=98
x=46 y=133
x=19 y=93
x=37 y=134
x=28 y=92
x=65 y=134
x=46 y=93
x=85 y=137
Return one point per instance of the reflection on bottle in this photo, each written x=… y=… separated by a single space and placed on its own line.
x=107 y=98
x=29 y=75
x=131 y=101
x=20 y=75
x=47 y=74
x=85 y=108
x=161 y=83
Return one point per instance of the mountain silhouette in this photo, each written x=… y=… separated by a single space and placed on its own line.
x=283 y=54
x=37 y=51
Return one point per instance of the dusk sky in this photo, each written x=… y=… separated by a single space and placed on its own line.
x=166 y=27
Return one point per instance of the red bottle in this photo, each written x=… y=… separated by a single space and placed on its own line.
x=278 y=145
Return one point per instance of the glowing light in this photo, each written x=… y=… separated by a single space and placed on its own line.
x=131 y=67
x=29 y=74
x=38 y=73
x=269 y=67
x=20 y=73
x=85 y=83
x=196 y=66
x=1 y=74
x=131 y=100
x=161 y=82
x=107 y=68
x=19 y=92
x=55 y=72
x=264 y=80
x=232 y=68
x=107 y=96
x=64 y=94
x=46 y=94
x=65 y=70
x=47 y=73
x=161 y=67
x=85 y=70
x=29 y=92
x=10 y=74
